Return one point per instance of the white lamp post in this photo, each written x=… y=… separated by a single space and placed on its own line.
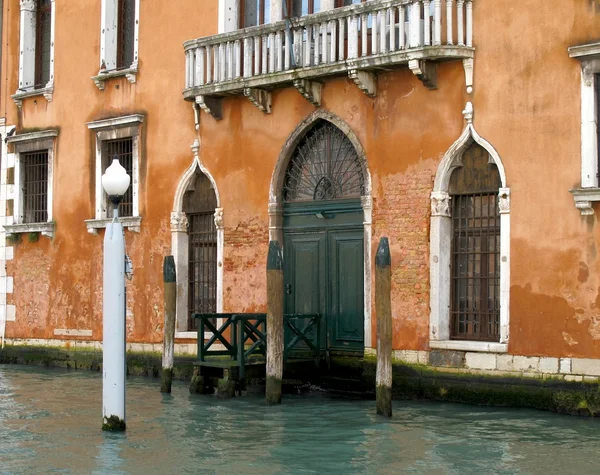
x=115 y=182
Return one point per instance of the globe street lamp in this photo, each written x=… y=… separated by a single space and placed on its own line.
x=115 y=182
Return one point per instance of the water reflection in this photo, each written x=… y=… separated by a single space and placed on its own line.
x=50 y=423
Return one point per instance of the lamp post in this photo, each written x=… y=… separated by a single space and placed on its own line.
x=115 y=182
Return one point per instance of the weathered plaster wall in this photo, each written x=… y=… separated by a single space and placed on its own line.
x=526 y=105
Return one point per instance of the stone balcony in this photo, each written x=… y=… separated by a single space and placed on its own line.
x=357 y=41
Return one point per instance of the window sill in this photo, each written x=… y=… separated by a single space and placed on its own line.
x=584 y=199
x=462 y=345
x=21 y=94
x=104 y=75
x=132 y=223
x=46 y=229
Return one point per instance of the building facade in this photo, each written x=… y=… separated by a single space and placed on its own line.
x=463 y=130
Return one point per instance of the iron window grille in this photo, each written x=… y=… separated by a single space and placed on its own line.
x=43 y=40
x=122 y=149
x=202 y=265
x=126 y=33
x=35 y=186
x=325 y=166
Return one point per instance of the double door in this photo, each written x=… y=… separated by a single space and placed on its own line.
x=324 y=273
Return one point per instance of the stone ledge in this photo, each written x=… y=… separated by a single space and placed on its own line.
x=585 y=51
x=46 y=229
x=133 y=223
x=103 y=76
x=18 y=96
x=462 y=345
x=584 y=199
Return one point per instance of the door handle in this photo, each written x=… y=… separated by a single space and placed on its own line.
x=288 y=289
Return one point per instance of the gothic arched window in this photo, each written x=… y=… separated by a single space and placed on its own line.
x=475 y=262
x=325 y=166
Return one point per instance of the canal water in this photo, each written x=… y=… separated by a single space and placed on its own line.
x=50 y=423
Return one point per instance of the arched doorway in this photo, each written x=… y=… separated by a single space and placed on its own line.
x=324 y=236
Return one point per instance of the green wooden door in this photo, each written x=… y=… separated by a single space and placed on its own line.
x=324 y=272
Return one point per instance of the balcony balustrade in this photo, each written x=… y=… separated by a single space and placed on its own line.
x=356 y=40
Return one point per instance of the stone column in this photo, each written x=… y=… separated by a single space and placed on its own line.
x=27 y=44
x=179 y=249
x=327 y=5
x=229 y=15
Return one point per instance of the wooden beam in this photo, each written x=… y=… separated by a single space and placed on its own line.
x=383 y=308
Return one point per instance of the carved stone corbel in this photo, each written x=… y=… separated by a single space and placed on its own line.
x=426 y=72
x=468 y=67
x=219 y=218
x=210 y=105
x=311 y=90
x=366 y=81
x=504 y=200
x=260 y=98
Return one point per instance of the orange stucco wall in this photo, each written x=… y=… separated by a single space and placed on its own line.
x=527 y=105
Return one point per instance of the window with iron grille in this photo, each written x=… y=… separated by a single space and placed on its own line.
x=43 y=40
x=121 y=149
x=475 y=257
x=126 y=33
x=199 y=204
x=34 y=166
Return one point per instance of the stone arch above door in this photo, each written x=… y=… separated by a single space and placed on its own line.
x=180 y=241
x=276 y=198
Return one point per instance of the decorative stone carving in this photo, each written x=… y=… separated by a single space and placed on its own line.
x=260 y=98
x=311 y=90
x=196 y=148
x=219 y=218
x=585 y=207
x=504 y=200
x=210 y=105
x=440 y=204
x=196 y=115
x=29 y=5
x=366 y=81
x=468 y=113
x=425 y=71
x=468 y=67
x=179 y=222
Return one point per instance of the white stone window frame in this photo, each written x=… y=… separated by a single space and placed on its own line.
x=589 y=192
x=111 y=129
x=27 y=44
x=180 y=245
x=109 y=31
x=230 y=10
x=440 y=247
x=22 y=144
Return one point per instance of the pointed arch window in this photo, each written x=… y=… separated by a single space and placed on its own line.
x=199 y=204
x=475 y=260
x=325 y=166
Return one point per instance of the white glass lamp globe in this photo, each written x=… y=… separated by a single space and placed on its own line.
x=115 y=181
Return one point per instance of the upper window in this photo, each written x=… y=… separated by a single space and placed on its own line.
x=255 y=12
x=475 y=261
x=33 y=171
x=589 y=190
x=119 y=38
x=117 y=138
x=36 y=59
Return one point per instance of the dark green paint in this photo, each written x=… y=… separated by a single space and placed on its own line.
x=383 y=257
x=275 y=256
x=169 y=269
x=324 y=269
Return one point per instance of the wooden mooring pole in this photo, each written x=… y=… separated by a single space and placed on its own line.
x=383 y=307
x=274 y=323
x=169 y=278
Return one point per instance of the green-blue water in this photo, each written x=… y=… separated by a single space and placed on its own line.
x=50 y=423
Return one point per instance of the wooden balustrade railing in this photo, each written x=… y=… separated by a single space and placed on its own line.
x=324 y=39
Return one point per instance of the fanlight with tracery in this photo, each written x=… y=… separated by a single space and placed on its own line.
x=325 y=166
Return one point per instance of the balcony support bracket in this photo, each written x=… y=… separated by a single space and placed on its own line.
x=211 y=105
x=366 y=81
x=311 y=90
x=260 y=98
x=468 y=66
x=426 y=71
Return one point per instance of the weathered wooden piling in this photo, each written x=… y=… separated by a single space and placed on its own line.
x=274 y=323
x=383 y=306
x=169 y=277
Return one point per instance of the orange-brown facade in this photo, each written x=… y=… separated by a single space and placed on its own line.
x=526 y=100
